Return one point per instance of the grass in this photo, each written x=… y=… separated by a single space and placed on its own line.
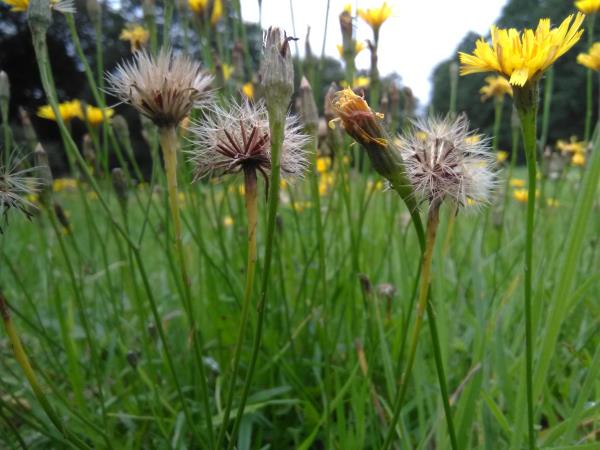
x=328 y=366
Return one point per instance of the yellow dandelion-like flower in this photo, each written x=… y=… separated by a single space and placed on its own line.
x=376 y=16
x=217 y=12
x=17 y=5
x=375 y=185
x=591 y=60
x=523 y=57
x=552 y=202
x=359 y=46
x=357 y=83
x=521 y=195
x=495 y=87
x=473 y=139
x=63 y=6
x=198 y=6
x=501 y=156
x=517 y=183
x=248 y=90
x=95 y=116
x=137 y=36
x=64 y=184
x=68 y=111
x=348 y=8
x=572 y=146
x=227 y=71
x=578 y=159
x=588 y=6
x=227 y=221
x=323 y=164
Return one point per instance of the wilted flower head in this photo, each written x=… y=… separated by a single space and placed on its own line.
x=16 y=185
x=523 y=57
x=442 y=163
x=164 y=87
x=591 y=60
x=238 y=138
x=495 y=87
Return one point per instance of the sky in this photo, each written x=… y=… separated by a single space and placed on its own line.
x=420 y=33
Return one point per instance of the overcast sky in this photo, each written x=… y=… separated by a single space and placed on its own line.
x=419 y=34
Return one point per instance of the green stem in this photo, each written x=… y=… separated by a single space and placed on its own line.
x=526 y=101
x=276 y=124
x=432 y=226
x=589 y=81
x=498 y=106
x=250 y=193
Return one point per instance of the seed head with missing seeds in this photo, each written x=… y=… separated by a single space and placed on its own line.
x=231 y=139
x=442 y=163
x=15 y=185
x=164 y=87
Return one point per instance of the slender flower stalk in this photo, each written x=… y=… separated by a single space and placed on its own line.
x=237 y=139
x=522 y=58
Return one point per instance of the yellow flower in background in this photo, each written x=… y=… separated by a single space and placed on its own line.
x=578 y=159
x=227 y=221
x=501 y=156
x=248 y=90
x=473 y=139
x=523 y=57
x=572 y=146
x=348 y=8
x=552 y=202
x=326 y=182
x=359 y=46
x=521 y=195
x=94 y=116
x=591 y=60
x=137 y=36
x=323 y=164
x=360 y=82
x=588 y=6
x=495 y=87
x=301 y=206
x=198 y=6
x=227 y=71
x=375 y=185
x=517 y=182
x=17 y=5
x=68 y=111
x=64 y=184
x=376 y=16
x=217 y=12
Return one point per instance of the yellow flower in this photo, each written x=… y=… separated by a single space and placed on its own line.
x=521 y=195
x=217 y=12
x=283 y=184
x=67 y=110
x=376 y=16
x=17 y=5
x=591 y=60
x=588 y=6
x=326 y=181
x=301 y=206
x=473 y=139
x=227 y=221
x=496 y=87
x=501 y=156
x=523 y=57
x=198 y=6
x=64 y=184
x=227 y=71
x=323 y=164
x=375 y=185
x=94 y=116
x=348 y=8
x=517 y=183
x=552 y=202
x=359 y=46
x=137 y=36
x=248 y=90
x=357 y=83
x=573 y=146
x=578 y=159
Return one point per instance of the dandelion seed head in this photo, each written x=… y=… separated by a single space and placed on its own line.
x=444 y=162
x=231 y=139
x=16 y=185
x=164 y=87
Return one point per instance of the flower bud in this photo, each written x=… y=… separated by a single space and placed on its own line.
x=308 y=107
x=4 y=89
x=28 y=130
x=94 y=10
x=277 y=70
x=120 y=185
x=39 y=16
x=43 y=173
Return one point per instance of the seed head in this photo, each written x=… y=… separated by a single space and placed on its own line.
x=164 y=88
x=238 y=137
x=15 y=185
x=444 y=162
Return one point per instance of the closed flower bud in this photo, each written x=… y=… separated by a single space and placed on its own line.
x=4 y=88
x=277 y=70
x=119 y=183
x=308 y=107
x=94 y=10
x=39 y=16
x=28 y=130
x=43 y=173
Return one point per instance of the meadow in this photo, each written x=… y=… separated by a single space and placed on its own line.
x=339 y=279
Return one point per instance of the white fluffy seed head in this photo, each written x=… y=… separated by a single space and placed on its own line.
x=446 y=161
x=164 y=87
x=16 y=184
x=230 y=139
